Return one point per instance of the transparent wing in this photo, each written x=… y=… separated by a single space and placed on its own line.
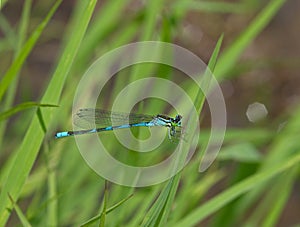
x=85 y=118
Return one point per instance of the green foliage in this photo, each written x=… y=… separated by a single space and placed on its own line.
x=56 y=187
x=22 y=107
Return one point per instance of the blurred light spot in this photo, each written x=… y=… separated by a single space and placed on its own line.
x=256 y=112
x=192 y=33
x=281 y=126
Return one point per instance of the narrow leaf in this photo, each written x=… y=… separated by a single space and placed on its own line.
x=94 y=219
x=230 y=194
x=23 y=106
x=28 y=150
x=229 y=58
x=14 y=69
x=19 y=212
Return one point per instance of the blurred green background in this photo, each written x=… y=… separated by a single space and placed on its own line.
x=45 y=48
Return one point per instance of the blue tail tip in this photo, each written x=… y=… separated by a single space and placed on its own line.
x=61 y=134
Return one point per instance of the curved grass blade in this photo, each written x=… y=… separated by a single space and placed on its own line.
x=23 y=106
x=159 y=212
x=233 y=192
x=21 y=38
x=15 y=67
x=105 y=211
x=229 y=58
x=28 y=150
x=19 y=212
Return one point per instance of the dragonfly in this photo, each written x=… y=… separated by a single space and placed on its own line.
x=108 y=121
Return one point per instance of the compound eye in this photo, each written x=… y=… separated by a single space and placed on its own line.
x=178 y=118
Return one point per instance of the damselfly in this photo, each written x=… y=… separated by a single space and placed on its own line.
x=107 y=121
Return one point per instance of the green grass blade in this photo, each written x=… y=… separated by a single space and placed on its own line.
x=240 y=152
x=152 y=11
x=103 y=213
x=230 y=194
x=270 y=209
x=2 y=3
x=152 y=218
x=110 y=209
x=154 y=7
x=52 y=205
x=107 y=19
x=195 y=188
x=142 y=202
x=10 y=95
x=33 y=138
x=199 y=101
x=107 y=211
x=220 y=7
x=272 y=217
x=23 y=106
x=229 y=58
x=24 y=24
x=20 y=213
x=287 y=141
x=20 y=59
x=200 y=98
x=8 y=31
x=159 y=213
x=60 y=174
